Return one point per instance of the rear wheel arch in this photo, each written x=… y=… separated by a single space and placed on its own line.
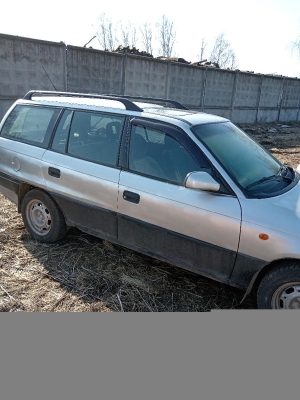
x=23 y=189
x=42 y=216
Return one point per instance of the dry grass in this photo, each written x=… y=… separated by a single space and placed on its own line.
x=84 y=273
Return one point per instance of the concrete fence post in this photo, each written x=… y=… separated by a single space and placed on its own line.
x=258 y=97
x=66 y=67
x=123 y=74
x=236 y=77
x=279 y=103
x=202 y=99
x=168 y=82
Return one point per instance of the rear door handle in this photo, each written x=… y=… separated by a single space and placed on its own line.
x=131 y=197
x=54 y=172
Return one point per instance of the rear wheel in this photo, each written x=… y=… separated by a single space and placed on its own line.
x=280 y=288
x=42 y=217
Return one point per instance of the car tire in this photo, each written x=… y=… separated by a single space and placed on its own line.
x=42 y=217
x=280 y=288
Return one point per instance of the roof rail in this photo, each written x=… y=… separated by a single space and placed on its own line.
x=137 y=98
x=129 y=105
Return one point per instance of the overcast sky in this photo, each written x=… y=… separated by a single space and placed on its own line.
x=260 y=31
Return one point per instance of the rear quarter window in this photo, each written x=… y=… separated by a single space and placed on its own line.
x=30 y=124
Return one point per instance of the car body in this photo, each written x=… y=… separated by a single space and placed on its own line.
x=185 y=187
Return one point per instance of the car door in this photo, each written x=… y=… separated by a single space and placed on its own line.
x=81 y=173
x=159 y=216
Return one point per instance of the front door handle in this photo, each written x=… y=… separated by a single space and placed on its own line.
x=54 y=172
x=132 y=197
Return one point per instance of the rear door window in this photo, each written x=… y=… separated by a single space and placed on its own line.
x=90 y=136
x=31 y=124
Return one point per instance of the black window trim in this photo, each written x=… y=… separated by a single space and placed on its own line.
x=171 y=130
x=73 y=110
x=176 y=133
x=49 y=132
x=55 y=129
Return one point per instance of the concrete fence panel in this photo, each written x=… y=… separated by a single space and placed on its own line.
x=247 y=90
x=219 y=92
x=269 y=99
x=245 y=102
x=27 y=64
x=290 y=104
x=145 y=77
x=94 y=71
x=186 y=84
x=31 y=64
x=4 y=106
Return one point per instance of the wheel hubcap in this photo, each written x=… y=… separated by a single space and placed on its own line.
x=287 y=296
x=38 y=217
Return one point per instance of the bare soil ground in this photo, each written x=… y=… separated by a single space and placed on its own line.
x=84 y=273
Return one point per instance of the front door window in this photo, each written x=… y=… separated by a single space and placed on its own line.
x=158 y=155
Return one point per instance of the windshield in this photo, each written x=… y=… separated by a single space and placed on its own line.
x=249 y=164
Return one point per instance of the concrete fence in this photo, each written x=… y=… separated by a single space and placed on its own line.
x=27 y=64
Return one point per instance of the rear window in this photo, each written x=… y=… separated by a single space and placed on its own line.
x=30 y=124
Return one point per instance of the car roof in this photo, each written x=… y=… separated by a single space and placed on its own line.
x=192 y=117
x=124 y=105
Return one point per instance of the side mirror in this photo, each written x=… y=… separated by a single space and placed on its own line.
x=202 y=181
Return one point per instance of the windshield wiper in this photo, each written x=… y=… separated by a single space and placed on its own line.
x=264 y=179
x=281 y=174
x=286 y=172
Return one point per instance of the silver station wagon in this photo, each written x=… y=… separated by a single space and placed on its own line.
x=185 y=187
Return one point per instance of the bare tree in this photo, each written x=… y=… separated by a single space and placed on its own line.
x=106 y=33
x=296 y=45
x=146 y=32
x=166 y=36
x=202 y=49
x=233 y=63
x=129 y=35
x=125 y=36
x=222 y=53
x=134 y=38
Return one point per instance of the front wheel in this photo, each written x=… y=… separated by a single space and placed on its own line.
x=42 y=217
x=280 y=288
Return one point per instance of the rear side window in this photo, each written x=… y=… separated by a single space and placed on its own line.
x=90 y=136
x=30 y=124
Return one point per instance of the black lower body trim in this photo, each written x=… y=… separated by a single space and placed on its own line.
x=185 y=252
x=10 y=187
x=244 y=269
x=88 y=218
x=9 y=183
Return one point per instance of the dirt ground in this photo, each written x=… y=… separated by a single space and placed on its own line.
x=84 y=273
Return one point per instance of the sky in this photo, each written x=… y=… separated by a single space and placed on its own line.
x=260 y=31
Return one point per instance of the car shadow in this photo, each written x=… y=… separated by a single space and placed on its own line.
x=109 y=277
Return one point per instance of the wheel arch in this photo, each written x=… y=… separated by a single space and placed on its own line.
x=26 y=187
x=23 y=189
x=259 y=275
x=52 y=227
